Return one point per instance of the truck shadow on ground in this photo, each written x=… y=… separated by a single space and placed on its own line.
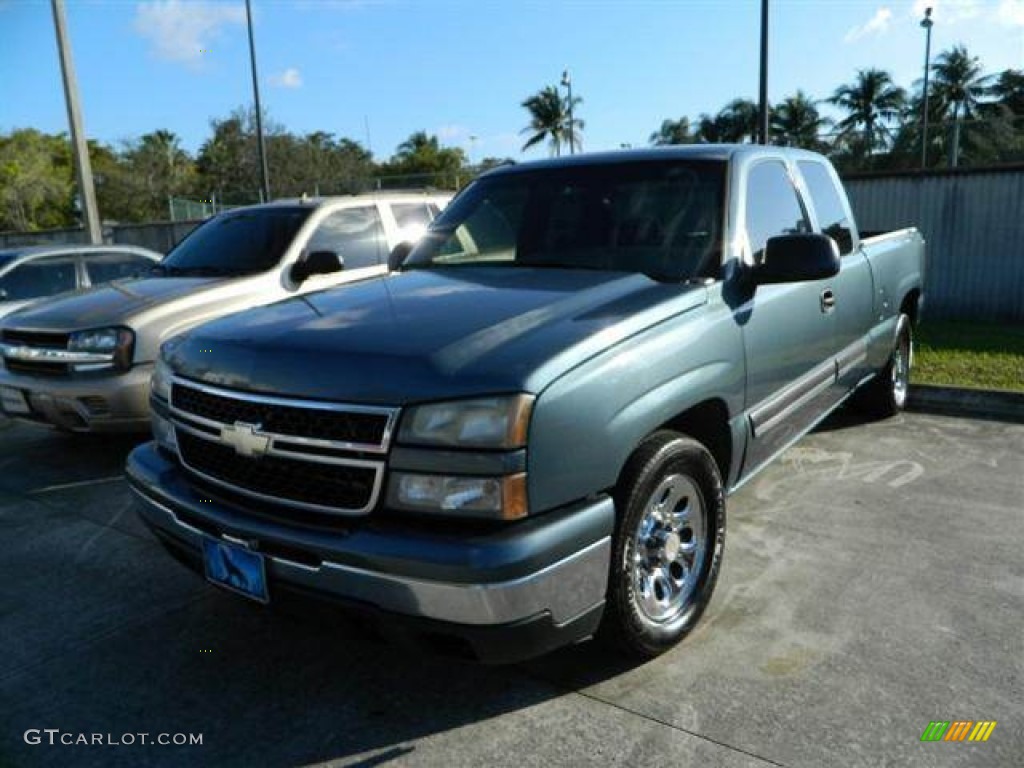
x=268 y=689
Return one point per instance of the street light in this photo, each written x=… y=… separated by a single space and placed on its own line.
x=264 y=174
x=926 y=23
x=567 y=82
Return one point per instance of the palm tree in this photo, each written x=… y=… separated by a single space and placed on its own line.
x=797 y=123
x=673 y=132
x=1008 y=90
x=870 y=101
x=734 y=123
x=960 y=86
x=549 y=119
x=739 y=118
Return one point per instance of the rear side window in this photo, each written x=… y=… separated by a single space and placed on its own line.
x=411 y=215
x=355 y=234
x=828 y=204
x=39 y=278
x=773 y=207
x=104 y=267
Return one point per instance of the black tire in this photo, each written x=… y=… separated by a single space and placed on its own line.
x=886 y=394
x=631 y=620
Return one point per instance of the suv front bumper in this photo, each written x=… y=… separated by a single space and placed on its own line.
x=97 y=403
x=504 y=595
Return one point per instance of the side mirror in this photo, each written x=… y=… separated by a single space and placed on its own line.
x=797 y=259
x=316 y=263
x=398 y=255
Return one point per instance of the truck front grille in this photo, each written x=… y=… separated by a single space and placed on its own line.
x=307 y=455
x=288 y=480
x=364 y=430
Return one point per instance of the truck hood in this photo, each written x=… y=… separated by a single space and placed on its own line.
x=429 y=334
x=106 y=305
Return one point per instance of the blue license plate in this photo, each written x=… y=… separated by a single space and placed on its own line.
x=236 y=568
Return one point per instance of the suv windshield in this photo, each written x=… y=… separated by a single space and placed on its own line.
x=236 y=243
x=661 y=218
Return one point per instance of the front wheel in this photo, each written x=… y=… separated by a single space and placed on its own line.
x=669 y=540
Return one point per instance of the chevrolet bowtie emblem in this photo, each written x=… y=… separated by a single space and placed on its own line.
x=246 y=439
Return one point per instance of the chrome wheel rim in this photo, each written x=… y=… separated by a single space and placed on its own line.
x=669 y=549
x=901 y=371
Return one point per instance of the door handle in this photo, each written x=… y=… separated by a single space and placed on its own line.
x=828 y=300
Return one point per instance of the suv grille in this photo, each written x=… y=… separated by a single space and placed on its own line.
x=317 y=457
x=35 y=338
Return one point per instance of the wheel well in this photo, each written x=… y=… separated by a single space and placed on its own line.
x=909 y=306
x=708 y=424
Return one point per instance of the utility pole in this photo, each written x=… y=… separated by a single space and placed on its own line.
x=264 y=173
x=762 y=113
x=79 y=147
x=567 y=82
x=926 y=23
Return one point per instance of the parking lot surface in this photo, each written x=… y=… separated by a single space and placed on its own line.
x=873 y=582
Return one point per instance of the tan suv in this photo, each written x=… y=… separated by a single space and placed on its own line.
x=82 y=361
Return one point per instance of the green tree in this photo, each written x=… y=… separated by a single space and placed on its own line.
x=796 y=122
x=549 y=119
x=422 y=158
x=960 y=87
x=870 y=101
x=673 y=132
x=36 y=190
x=736 y=122
x=1008 y=90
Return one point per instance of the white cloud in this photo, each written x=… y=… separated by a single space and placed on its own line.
x=184 y=31
x=452 y=133
x=876 y=25
x=948 y=12
x=1011 y=13
x=290 y=78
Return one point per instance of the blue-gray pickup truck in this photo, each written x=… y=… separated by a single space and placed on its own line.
x=524 y=434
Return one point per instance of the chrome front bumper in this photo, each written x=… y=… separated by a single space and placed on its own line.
x=98 y=403
x=483 y=581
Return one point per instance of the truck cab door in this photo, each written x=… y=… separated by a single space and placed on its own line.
x=788 y=329
x=853 y=288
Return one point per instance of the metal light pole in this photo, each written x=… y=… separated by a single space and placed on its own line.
x=567 y=82
x=79 y=147
x=762 y=113
x=927 y=23
x=264 y=174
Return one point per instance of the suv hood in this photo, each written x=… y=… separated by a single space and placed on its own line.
x=106 y=305
x=429 y=334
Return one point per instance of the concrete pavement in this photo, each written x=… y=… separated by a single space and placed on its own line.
x=872 y=583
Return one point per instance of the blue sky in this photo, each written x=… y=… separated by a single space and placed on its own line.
x=457 y=68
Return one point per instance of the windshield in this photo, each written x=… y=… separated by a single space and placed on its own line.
x=236 y=243
x=661 y=218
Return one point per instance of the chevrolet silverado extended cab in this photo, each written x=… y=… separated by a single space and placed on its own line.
x=82 y=362
x=525 y=436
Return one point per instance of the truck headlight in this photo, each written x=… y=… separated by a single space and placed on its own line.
x=117 y=343
x=489 y=422
x=493 y=498
x=160 y=384
x=163 y=431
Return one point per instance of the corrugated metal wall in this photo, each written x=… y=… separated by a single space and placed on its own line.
x=973 y=223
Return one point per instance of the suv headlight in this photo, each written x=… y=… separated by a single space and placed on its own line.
x=160 y=384
x=117 y=343
x=489 y=422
